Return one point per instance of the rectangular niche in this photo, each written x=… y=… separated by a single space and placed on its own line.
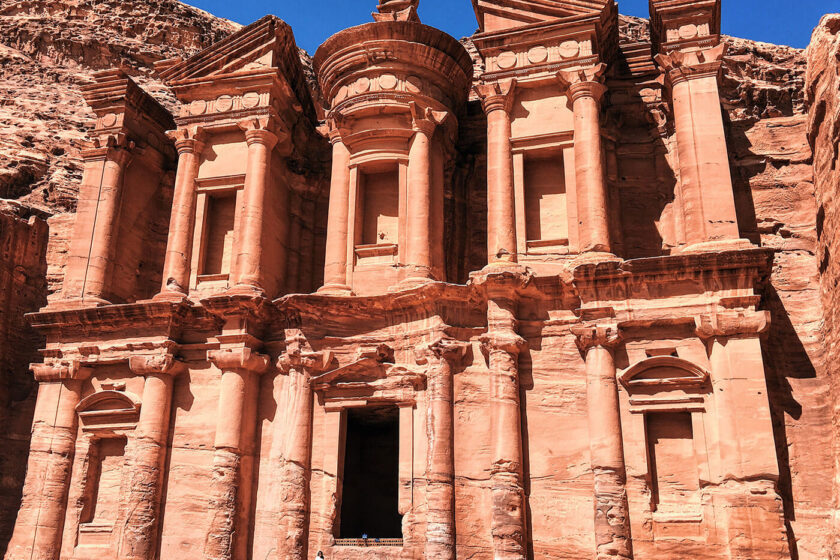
x=546 y=213
x=380 y=194
x=674 y=475
x=218 y=234
x=102 y=491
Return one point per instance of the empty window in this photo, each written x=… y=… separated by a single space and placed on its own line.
x=218 y=238
x=104 y=481
x=673 y=464
x=380 y=202
x=370 y=502
x=545 y=199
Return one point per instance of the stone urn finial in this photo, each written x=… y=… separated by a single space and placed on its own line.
x=397 y=10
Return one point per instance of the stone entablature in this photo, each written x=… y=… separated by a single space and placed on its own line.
x=562 y=400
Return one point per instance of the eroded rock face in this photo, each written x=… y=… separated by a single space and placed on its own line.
x=822 y=87
x=784 y=195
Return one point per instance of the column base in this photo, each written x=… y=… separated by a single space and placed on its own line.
x=715 y=246
x=170 y=297
x=335 y=290
x=76 y=303
x=246 y=290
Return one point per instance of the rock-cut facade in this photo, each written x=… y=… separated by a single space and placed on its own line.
x=426 y=299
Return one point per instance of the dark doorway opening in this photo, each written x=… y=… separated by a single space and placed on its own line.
x=370 y=496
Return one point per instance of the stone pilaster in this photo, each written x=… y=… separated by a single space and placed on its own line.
x=248 y=277
x=236 y=419
x=40 y=520
x=612 y=518
x=293 y=438
x=146 y=453
x=502 y=344
x=497 y=99
x=705 y=181
x=335 y=266
x=176 y=267
x=442 y=357
x=585 y=88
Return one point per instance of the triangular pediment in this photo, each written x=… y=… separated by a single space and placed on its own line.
x=265 y=44
x=497 y=15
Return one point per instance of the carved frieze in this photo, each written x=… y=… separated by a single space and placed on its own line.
x=561 y=53
x=226 y=104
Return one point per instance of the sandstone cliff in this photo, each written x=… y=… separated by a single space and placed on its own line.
x=49 y=48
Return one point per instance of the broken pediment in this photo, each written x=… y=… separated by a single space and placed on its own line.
x=498 y=15
x=266 y=46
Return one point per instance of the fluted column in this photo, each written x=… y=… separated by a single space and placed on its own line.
x=708 y=199
x=335 y=265
x=293 y=435
x=237 y=417
x=585 y=90
x=497 y=100
x=442 y=357
x=40 y=520
x=248 y=246
x=116 y=154
x=612 y=520
x=176 y=266
x=146 y=454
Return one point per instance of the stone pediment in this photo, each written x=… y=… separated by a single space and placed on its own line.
x=498 y=15
x=265 y=48
x=368 y=379
x=664 y=371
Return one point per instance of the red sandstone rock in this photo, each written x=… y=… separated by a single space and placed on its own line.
x=667 y=400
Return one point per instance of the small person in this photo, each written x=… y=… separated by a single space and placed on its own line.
x=319 y=556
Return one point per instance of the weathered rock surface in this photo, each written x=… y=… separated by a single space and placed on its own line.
x=823 y=95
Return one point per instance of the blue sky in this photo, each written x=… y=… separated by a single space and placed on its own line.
x=787 y=22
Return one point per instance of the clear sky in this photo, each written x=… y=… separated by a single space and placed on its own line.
x=786 y=22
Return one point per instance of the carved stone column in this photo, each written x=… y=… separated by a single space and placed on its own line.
x=116 y=154
x=612 y=520
x=293 y=435
x=335 y=266
x=146 y=454
x=442 y=357
x=502 y=345
x=236 y=418
x=585 y=90
x=497 y=100
x=419 y=195
x=40 y=519
x=176 y=266
x=705 y=179
x=248 y=246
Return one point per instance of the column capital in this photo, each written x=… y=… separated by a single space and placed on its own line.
x=583 y=82
x=334 y=129
x=111 y=147
x=593 y=336
x=731 y=324
x=262 y=131
x=444 y=348
x=426 y=120
x=300 y=356
x=505 y=341
x=162 y=362
x=60 y=371
x=496 y=96
x=680 y=66
x=243 y=358
x=187 y=140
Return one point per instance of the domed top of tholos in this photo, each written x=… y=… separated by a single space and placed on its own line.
x=388 y=64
